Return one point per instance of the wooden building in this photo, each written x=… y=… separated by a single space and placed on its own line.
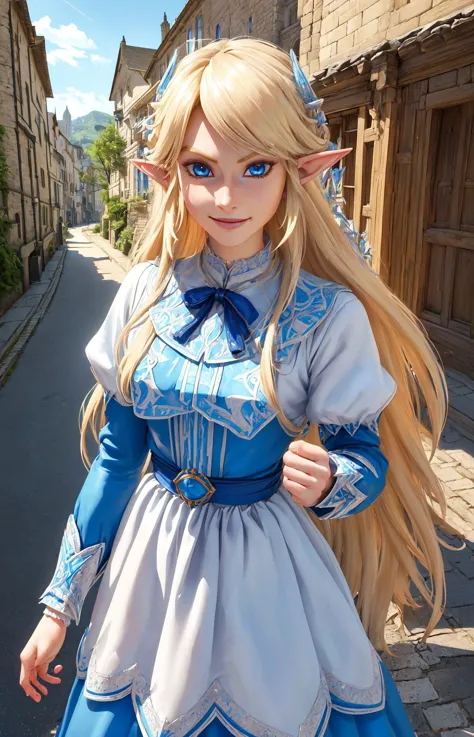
x=406 y=107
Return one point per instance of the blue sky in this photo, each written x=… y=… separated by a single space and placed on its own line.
x=82 y=42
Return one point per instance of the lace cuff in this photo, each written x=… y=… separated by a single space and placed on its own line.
x=344 y=496
x=75 y=573
x=359 y=469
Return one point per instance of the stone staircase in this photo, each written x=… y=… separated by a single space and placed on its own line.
x=138 y=219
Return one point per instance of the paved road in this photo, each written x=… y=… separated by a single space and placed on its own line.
x=41 y=471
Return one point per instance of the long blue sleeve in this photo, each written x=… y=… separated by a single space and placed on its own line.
x=113 y=476
x=359 y=469
x=91 y=530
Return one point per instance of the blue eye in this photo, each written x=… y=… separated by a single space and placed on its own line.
x=200 y=170
x=259 y=169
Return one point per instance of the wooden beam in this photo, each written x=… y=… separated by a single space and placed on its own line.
x=436 y=61
x=451 y=96
x=452 y=238
x=346 y=102
x=359 y=167
x=371 y=134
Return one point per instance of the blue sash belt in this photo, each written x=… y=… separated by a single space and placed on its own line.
x=195 y=488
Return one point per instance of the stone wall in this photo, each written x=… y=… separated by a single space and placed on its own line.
x=24 y=115
x=334 y=29
x=270 y=21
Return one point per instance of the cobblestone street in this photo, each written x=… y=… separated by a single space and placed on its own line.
x=436 y=678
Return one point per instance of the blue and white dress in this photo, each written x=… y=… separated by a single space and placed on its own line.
x=231 y=616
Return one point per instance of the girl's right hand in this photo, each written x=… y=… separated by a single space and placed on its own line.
x=40 y=650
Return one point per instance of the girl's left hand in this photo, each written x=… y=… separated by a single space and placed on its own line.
x=306 y=473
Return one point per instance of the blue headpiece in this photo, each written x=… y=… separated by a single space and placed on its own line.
x=165 y=80
x=306 y=92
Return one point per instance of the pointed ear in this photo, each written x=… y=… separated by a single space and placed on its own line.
x=154 y=172
x=310 y=166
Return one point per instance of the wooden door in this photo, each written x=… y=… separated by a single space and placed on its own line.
x=447 y=299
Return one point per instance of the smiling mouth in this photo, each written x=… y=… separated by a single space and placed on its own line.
x=229 y=220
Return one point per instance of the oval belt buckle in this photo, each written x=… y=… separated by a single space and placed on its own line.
x=193 y=487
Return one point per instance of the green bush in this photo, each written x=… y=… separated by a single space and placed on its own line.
x=11 y=270
x=96 y=228
x=117 y=210
x=105 y=227
x=50 y=249
x=125 y=240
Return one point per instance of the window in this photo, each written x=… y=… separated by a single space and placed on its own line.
x=139 y=181
x=43 y=180
x=218 y=31
x=190 y=42
x=199 y=32
x=145 y=182
x=28 y=108
x=293 y=15
x=250 y=24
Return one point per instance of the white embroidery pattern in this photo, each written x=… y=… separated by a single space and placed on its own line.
x=216 y=702
x=75 y=573
x=344 y=496
x=356 y=700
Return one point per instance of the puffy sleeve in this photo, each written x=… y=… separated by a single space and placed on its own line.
x=114 y=474
x=100 y=351
x=348 y=389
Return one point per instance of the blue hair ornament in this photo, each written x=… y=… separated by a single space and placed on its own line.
x=306 y=92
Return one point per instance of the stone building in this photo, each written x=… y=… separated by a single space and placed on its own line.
x=57 y=169
x=397 y=78
x=92 y=201
x=65 y=124
x=139 y=71
x=24 y=87
x=128 y=85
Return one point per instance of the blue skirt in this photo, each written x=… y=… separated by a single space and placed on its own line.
x=117 y=718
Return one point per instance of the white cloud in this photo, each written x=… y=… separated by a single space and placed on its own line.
x=98 y=59
x=67 y=55
x=79 y=103
x=72 y=43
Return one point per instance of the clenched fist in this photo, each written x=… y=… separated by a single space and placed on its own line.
x=307 y=473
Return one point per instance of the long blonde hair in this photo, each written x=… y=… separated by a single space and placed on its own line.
x=240 y=80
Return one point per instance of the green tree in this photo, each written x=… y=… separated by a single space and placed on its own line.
x=107 y=153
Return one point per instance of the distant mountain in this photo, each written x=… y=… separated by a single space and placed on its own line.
x=84 y=129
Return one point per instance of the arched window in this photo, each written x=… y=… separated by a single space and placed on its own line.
x=190 y=42
x=199 y=32
x=218 y=31
x=250 y=24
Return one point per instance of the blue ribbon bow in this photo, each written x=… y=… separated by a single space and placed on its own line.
x=239 y=313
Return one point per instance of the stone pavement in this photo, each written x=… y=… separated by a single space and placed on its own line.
x=18 y=324
x=436 y=678
x=113 y=253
